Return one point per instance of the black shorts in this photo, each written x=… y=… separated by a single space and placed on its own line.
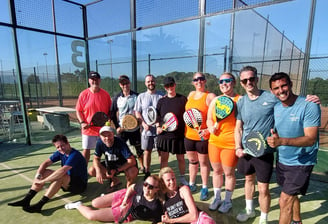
x=76 y=185
x=196 y=146
x=262 y=166
x=294 y=180
x=133 y=137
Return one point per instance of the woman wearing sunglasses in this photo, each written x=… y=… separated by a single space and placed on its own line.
x=196 y=142
x=221 y=148
x=139 y=201
x=179 y=205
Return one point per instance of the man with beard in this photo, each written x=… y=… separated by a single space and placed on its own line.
x=148 y=136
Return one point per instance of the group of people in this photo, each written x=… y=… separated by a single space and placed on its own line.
x=288 y=122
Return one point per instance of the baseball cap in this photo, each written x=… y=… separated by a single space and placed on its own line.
x=94 y=75
x=168 y=80
x=123 y=79
x=106 y=128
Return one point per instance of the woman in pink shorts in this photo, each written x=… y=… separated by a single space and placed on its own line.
x=139 y=201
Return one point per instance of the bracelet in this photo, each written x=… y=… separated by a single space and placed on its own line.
x=38 y=176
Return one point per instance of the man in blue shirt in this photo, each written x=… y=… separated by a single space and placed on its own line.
x=72 y=176
x=118 y=158
x=296 y=137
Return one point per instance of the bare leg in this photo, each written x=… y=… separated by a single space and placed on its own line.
x=86 y=155
x=204 y=167
x=193 y=165
x=286 y=208
x=164 y=159
x=264 y=197
x=181 y=163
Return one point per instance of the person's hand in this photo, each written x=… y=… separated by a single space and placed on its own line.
x=99 y=178
x=145 y=126
x=39 y=182
x=274 y=139
x=313 y=99
x=240 y=152
x=84 y=125
x=159 y=130
x=165 y=218
x=204 y=133
x=119 y=130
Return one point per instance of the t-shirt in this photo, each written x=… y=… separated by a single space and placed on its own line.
x=290 y=123
x=176 y=105
x=143 y=209
x=144 y=101
x=116 y=155
x=75 y=160
x=89 y=103
x=257 y=115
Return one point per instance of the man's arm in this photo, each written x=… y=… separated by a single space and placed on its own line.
x=58 y=174
x=238 y=138
x=97 y=164
x=43 y=166
x=309 y=138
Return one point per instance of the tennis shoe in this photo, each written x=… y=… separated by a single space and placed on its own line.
x=225 y=207
x=73 y=205
x=193 y=188
x=245 y=215
x=215 y=204
x=204 y=194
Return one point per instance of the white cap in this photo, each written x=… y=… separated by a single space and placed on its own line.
x=106 y=128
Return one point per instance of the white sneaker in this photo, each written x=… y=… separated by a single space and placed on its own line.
x=215 y=204
x=245 y=215
x=73 y=205
x=225 y=207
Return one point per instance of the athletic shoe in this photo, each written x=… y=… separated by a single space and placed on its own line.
x=193 y=188
x=204 y=194
x=215 y=204
x=296 y=222
x=225 y=207
x=245 y=215
x=73 y=205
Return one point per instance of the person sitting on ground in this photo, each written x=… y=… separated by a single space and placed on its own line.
x=179 y=205
x=118 y=158
x=139 y=201
x=72 y=176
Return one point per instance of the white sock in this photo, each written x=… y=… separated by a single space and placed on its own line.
x=264 y=216
x=191 y=183
x=249 y=205
x=73 y=205
x=217 y=193
x=204 y=186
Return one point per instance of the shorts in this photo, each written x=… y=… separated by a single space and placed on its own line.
x=226 y=157
x=148 y=142
x=262 y=166
x=89 y=142
x=294 y=180
x=76 y=185
x=133 y=137
x=117 y=200
x=196 y=146
x=172 y=145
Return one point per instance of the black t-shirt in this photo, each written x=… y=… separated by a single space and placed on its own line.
x=143 y=209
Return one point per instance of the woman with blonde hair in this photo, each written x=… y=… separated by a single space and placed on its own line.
x=179 y=205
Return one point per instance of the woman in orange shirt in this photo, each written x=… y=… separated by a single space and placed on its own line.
x=221 y=148
x=196 y=144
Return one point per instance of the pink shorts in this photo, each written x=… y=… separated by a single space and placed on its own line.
x=117 y=201
x=203 y=217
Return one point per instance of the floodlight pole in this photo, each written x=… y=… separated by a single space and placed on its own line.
x=110 y=41
x=45 y=58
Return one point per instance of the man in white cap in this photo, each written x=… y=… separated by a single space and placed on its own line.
x=118 y=158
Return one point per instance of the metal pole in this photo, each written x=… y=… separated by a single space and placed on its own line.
x=48 y=84
x=110 y=41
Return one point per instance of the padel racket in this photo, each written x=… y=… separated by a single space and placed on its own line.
x=255 y=144
x=170 y=122
x=98 y=119
x=130 y=123
x=223 y=108
x=193 y=118
x=151 y=115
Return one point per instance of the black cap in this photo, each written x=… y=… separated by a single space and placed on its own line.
x=123 y=79
x=168 y=80
x=94 y=75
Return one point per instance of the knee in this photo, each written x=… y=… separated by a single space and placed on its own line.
x=193 y=162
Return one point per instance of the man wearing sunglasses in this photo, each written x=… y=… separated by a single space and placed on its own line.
x=255 y=113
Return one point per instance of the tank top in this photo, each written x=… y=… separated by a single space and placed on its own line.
x=175 y=206
x=225 y=138
x=199 y=104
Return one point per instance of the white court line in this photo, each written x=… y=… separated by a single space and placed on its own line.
x=31 y=181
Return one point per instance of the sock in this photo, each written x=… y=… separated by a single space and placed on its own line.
x=73 y=205
x=217 y=193
x=264 y=216
x=26 y=200
x=38 y=206
x=191 y=183
x=228 y=195
x=249 y=205
x=204 y=186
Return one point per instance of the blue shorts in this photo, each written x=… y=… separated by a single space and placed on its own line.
x=294 y=180
x=148 y=142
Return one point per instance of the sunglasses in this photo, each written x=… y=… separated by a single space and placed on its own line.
x=225 y=81
x=125 y=83
x=169 y=85
x=151 y=187
x=251 y=79
x=200 y=78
